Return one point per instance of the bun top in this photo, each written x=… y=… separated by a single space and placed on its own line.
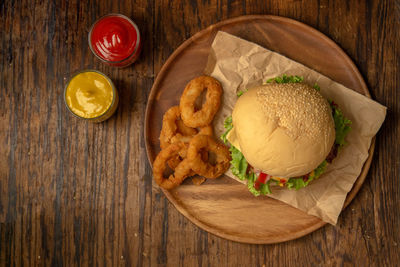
x=286 y=130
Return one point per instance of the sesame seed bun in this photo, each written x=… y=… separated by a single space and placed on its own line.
x=286 y=130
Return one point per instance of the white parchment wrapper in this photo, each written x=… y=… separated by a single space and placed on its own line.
x=239 y=64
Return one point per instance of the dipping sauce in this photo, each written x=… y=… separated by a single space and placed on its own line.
x=115 y=39
x=91 y=95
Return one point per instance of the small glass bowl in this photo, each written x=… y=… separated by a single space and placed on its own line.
x=111 y=109
x=126 y=61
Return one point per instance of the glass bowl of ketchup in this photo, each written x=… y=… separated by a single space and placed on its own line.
x=115 y=40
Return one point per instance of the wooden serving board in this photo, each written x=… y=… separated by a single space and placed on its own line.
x=223 y=206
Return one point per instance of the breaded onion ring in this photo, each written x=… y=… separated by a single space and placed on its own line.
x=174 y=130
x=172 y=163
x=172 y=125
x=198 y=180
x=204 y=168
x=181 y=172
x=193 y=89
x=207 y=130
x=183 y=129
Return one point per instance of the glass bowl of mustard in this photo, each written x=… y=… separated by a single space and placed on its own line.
x=91 y=95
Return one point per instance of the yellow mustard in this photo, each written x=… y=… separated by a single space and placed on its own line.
x=91 y=95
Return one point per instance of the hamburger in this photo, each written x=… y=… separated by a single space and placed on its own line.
x=284 y=133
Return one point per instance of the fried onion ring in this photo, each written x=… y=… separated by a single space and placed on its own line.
x=185 y=130
x=204 y=168
x=198 y=180
x=174 y=130
x=172 y=163
x=207 y=130
x=193 y=89
x=173 y=127
x=181 y=172
x=170 y=126
x=176 y=160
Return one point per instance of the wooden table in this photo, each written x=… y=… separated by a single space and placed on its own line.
x=78 y=193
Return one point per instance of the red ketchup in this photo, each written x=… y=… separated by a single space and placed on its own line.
x=115 y=40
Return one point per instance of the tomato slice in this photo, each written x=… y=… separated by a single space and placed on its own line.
x=262 y=179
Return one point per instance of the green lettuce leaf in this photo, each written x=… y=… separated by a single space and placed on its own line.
x=286 y=79
x=251 y=178
x=319 y=170
x=228 y=126
x=240 y=93
x=239 y=163
x=298 y=182
x=265 y=189
x=342 y=125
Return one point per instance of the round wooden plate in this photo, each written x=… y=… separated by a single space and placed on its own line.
x=223 y=206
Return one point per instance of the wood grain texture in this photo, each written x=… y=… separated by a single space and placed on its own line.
x=226 y=208
x=76 y=193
